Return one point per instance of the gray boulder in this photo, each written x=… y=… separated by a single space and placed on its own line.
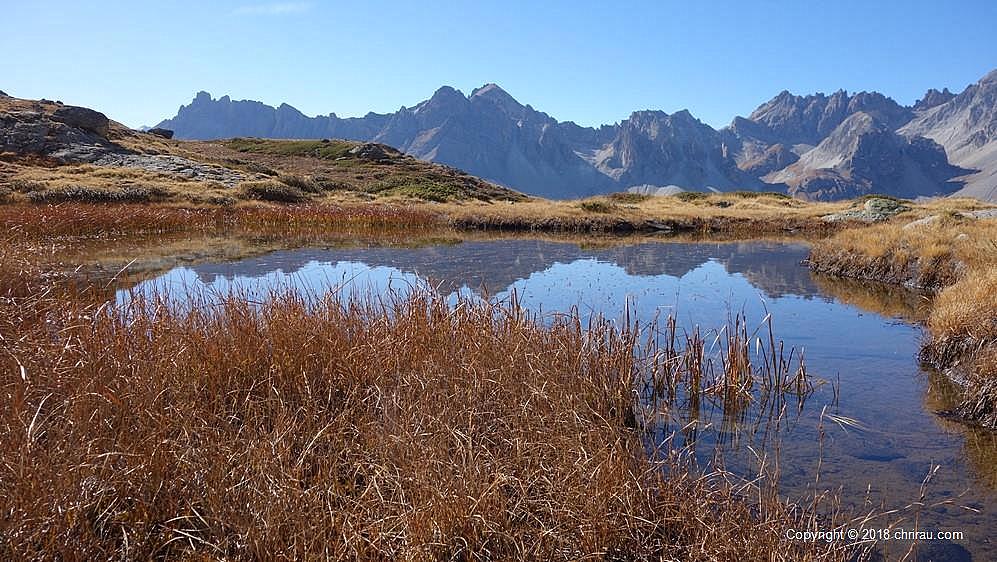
x=981 y=214
x=83 y=118
x=374 y=151
x=25 y=132
x=926 y=221
x=875 y=209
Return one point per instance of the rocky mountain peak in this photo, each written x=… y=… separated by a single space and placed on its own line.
x=492 y=91
x=447 y=93
x=933 y=98
x=445 y=98
x=793 y=119
x=494 y=95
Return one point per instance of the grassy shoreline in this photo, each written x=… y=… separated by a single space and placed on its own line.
x=953 y=257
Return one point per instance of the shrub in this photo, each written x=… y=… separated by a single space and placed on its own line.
x=84 y=194
x=26 y=186
x=303 y=183
x=627 y=197
x=329 y=184
x=689 y=196
x=598 y=206
x=862 y=199
x=324 y=149
x=211 y=199
x=416 y=187
x=757 y=194
x=261 y=169
x=270 y=190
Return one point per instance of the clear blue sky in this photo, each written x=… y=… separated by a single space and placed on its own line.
x=591 y=63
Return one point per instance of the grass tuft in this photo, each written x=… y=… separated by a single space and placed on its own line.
x=597 y=206
x=272 y=191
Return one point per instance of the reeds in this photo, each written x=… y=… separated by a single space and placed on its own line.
x=686 y=379
x=396 y=428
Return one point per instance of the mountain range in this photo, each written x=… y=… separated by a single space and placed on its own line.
x=819 y=147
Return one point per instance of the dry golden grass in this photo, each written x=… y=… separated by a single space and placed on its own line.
x=930 y=256
x=954 y=256
x=400 y=429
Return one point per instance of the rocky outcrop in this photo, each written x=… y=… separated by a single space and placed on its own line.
x=374 y=151
x=175 y=166
x=83 y=118
x=875 y=209
x=70 y=134
x=63 y=133
x=160 y=132
x=932 y=98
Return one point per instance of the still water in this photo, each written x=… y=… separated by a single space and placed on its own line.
x=861 y=339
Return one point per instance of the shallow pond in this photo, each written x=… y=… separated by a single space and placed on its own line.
x=861 y=339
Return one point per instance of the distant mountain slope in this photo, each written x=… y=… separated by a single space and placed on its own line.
x=966 y=125
x=793 y=120
x=814 y=146
x=652 y=147
x=861 y=156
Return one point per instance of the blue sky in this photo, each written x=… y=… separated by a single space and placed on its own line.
x=591 y=63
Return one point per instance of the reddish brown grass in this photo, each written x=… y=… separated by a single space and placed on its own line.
x=84 y=220
x=366 y=430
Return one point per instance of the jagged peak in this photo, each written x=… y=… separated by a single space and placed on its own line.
x=490 y=88
x=933 y=98
x=991 y=77
x=202 y=96
x=444 y=92
x=493 y=93
x=653 y=113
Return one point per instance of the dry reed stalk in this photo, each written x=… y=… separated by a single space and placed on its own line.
x=365 y=429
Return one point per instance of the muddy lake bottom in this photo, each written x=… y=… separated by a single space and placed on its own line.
x=861 y=339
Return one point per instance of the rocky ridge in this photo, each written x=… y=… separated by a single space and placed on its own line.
x=813 y=146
